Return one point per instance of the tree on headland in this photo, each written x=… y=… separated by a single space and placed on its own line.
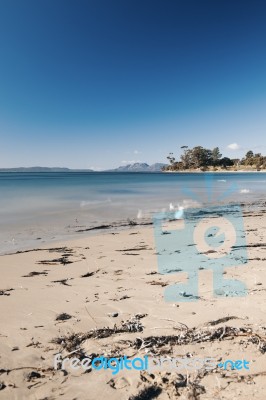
x=216 y=156
x=249 y=154
x=254 y=160
x=200 y=158
x=185 y=158
x=171 y=158
x=226 y=162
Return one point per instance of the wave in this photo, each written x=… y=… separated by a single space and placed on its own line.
x=94 y=202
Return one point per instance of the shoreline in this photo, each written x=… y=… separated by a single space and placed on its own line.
x=216 y=172
x=80 y=232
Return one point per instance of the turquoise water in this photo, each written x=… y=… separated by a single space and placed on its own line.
x=41 y=205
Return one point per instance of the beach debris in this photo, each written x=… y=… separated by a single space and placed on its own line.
x=118 y=272
x=199 y=335
x=173 y=384
x=33 y=375
x=221 y=320
x=129 y=222
x=63 y=249
x=260 y=342
x=75 y=340
x=63 y=317
x=2 y=386
x=149 y=392
x=138 y=248
x=63 y=281
x=3 y=292
x=35 y=273
x=56 y=261
x=124 y=297
x=170 y=271
x=64 y=259
x=34 y=344
x=15 y=348
x=88 y=274
x=185 y=294
x=133 y=324
x=51 y=250
x=114 y=314
x=140 y=315
x=95 y=228
x=158 y=283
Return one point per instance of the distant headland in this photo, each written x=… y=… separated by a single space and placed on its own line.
x=136 y=167
x=43 y=169
x=199 y=159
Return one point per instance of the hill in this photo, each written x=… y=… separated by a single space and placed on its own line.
x=139 y=167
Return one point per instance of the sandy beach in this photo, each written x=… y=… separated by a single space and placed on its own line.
x=102 y=295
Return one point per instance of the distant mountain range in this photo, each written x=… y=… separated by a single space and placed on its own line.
x=43 y=169
x=139 y=167
x=136 y=167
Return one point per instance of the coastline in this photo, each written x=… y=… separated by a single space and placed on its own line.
x=196 y=171
x=105 y=280
x=76 y=232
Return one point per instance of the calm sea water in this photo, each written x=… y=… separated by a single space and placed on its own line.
x=37 y=206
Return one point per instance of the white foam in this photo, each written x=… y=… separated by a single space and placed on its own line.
x=94 y=202
x=139 y=215
x=171 y=207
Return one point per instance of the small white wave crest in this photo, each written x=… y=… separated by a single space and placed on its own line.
x=94 y=203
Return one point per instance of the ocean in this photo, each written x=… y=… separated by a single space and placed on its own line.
x=36 y=207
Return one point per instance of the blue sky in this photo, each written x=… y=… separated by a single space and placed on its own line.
x=102 y=83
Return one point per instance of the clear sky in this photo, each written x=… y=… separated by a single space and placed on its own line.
x=105 y=82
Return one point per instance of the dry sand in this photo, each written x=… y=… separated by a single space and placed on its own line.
x=91 y=279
